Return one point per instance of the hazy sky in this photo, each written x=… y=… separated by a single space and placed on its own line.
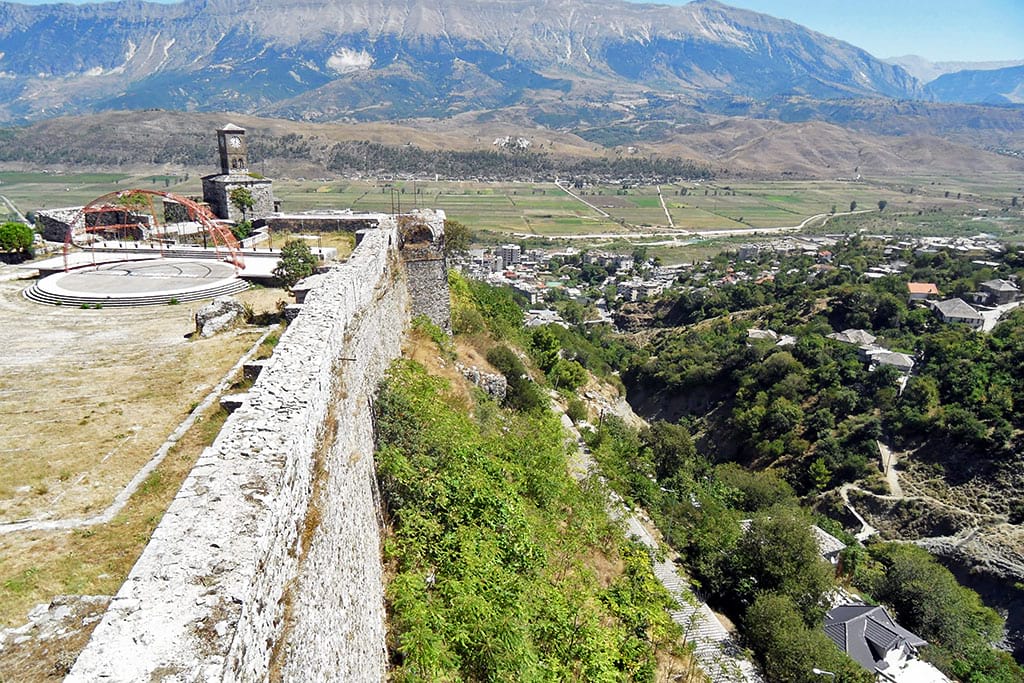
x=939 y=30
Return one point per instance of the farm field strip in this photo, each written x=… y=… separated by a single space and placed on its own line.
x=543 y=209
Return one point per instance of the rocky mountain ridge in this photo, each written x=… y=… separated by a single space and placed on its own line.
x=363 y=60
x=988 y=86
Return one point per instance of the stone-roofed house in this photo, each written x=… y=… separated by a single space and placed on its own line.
x=1000 y=291
x=754 y=334
x=828 y=545
x=958 y=311
x=900 y=361
x=922 y=291
x=875 y=641
x=855 y=337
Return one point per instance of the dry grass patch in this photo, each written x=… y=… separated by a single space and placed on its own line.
x=89 y=395
x=37 y=566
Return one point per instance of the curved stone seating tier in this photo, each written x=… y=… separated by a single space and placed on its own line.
x=138 y=283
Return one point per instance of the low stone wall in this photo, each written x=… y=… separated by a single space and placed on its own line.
x=320 y=222
x=267 y=563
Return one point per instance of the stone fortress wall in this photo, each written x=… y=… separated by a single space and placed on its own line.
x=267 y=565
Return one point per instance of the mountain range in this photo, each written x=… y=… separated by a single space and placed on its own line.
x=608 y=73
x=367 y=59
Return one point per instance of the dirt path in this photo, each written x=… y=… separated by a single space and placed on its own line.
x=580 y=199
x=664 y=208
x=889 y=463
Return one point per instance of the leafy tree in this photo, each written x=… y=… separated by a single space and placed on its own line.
x=296 y=262
x=241 y=198
x=567 y=374
x=882 y=204
x=241 y=230
x=576 y=409
x=755 y=491
x=790 y=649
x=819 y=474
x=16 y=237
x=929 y=601
x=779 y=554
x=671 y=447
x=522 y=393
x=853 y=206
x=546 y=348
x=457 y=238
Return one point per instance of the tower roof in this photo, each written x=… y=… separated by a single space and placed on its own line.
x=232 y=128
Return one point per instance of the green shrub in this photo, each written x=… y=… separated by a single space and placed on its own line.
x=576 y=410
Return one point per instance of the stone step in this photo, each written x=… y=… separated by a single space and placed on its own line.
x=34 y=293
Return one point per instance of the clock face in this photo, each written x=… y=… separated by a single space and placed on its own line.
x=234 y=142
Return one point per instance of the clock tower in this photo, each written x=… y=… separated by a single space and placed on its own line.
x=233 y=155
x=234 y=174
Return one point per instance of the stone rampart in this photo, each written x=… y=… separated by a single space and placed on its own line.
x=266 y=566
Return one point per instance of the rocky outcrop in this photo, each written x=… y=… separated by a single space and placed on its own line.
x=493 y=384
x=220 y=314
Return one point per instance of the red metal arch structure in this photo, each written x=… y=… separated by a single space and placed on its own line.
x=121 y=211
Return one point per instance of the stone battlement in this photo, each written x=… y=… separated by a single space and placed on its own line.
x=267 y=562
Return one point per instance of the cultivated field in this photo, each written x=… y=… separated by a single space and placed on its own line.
x=945 y=205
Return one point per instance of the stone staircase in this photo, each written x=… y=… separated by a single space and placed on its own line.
x=720 y=657
x=39 y=295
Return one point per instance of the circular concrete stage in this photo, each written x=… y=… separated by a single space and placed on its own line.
x=138 y=283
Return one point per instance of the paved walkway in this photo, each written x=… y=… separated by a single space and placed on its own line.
x=716 y=650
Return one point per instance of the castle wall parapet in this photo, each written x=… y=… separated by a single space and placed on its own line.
x=267 y=561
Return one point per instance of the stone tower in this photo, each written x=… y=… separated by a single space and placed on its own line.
x=234 y=157
x=234 y=173
x=421 y=246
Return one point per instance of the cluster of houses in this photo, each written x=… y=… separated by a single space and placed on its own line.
x=531 y=272
x=982 y=313
x=540 y=275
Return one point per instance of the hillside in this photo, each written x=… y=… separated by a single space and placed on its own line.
x=333 y=59
x=740 y=146
x=927 y=71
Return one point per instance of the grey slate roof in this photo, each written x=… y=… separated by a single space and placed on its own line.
x=851 y=336
x=957 y=308
x=867 y=633
x=894 y=358
x=1000 y=286
x=827 y=543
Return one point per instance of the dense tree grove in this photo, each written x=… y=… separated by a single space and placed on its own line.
x=814 y=407
x=371 y=158
x=757 y=424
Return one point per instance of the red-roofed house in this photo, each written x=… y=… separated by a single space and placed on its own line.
x=921 y=291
